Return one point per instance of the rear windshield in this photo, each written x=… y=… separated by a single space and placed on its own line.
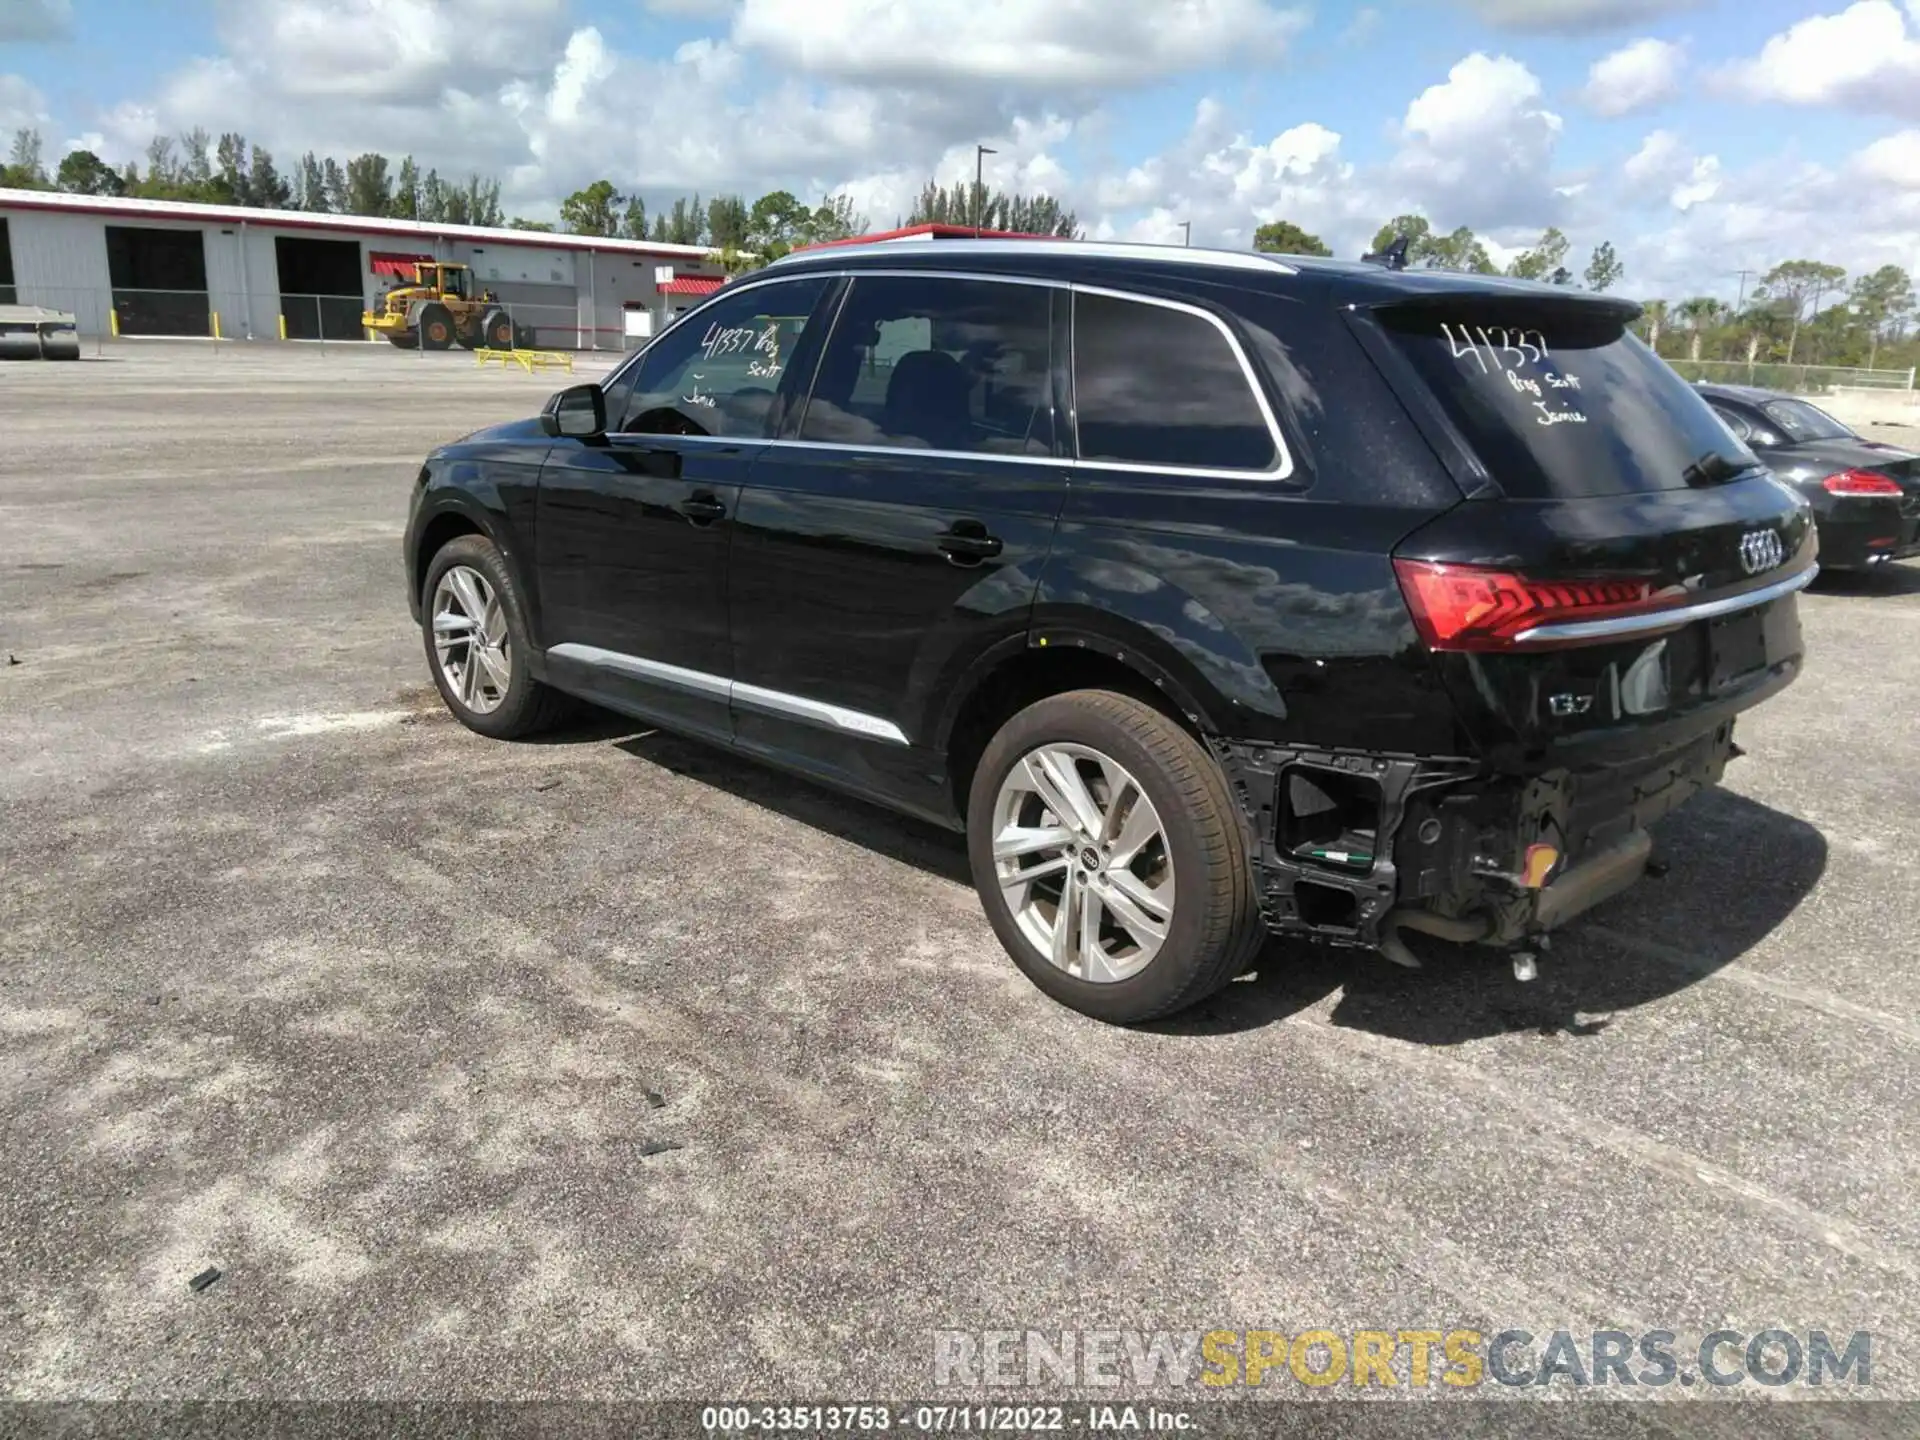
x=1802 y=421
x=1562 y=403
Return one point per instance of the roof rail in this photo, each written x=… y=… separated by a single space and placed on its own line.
x=1092 y=249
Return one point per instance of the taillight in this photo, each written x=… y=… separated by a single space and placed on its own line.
x=1465 y=607
x=1860 y=482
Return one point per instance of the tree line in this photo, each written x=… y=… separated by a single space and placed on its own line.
x=1779 y=321
x=1866 y=320
x=1801 y=311
x=1457 y=249
x=229 y=171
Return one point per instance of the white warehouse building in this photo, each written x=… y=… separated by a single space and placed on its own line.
x=161 y=267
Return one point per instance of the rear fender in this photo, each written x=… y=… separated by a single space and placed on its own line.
x=1164 y=633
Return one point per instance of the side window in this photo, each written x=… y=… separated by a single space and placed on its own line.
x=938 y=364
x=618 y=388
x=1740 y=428
x=1159 y=386
x=717 y=372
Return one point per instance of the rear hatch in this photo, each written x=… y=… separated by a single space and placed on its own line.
x=1619 y=580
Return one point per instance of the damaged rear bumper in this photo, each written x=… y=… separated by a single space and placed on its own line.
x=1352 y=848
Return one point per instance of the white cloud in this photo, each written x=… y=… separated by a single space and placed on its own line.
x=1042 y=44
x=390 y=51
x=1571 y=17
x=1364 y=25
x=28 y=20
x=1665 y=171
x=509 y=88
x=1892 y=160
x=1866 y=57
x=1771 y=211
x=1478 y=148
x=22 y=107
x=691 y=9
x=1634 y=77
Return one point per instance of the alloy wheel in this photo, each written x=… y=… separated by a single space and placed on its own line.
x=1083 y=862
x=470 y=639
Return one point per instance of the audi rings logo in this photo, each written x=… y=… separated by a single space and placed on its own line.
x=1761 y=550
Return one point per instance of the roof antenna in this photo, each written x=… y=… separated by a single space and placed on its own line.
x=1394 y=256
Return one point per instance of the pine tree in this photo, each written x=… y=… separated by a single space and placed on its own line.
x=406 y=192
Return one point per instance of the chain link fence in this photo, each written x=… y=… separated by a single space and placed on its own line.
x=106 y=316
x=1795 y=379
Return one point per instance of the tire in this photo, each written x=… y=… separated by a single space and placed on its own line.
x=496 y=331
x=524 y=706
x=1201 y=848
x=436 y=328
x=404 y=339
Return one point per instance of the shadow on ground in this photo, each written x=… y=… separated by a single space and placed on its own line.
x=1736 y=870
x=1899 y=578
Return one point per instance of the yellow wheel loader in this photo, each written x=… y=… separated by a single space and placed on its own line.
x=440 y=307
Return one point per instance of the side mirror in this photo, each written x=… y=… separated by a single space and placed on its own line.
x=577 y=413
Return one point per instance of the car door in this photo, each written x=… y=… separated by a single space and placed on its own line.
x=634 y=526
x=897 y=530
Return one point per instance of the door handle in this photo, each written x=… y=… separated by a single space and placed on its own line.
x=703 y=508
x=967 y=542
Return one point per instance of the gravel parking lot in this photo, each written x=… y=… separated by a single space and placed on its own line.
x=305 y=982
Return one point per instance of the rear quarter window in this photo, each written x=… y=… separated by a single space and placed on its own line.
x=1561 y=403
x=1163 y=386
x=1802 y=421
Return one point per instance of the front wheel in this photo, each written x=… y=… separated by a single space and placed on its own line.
x=436 y=328
x=475 y=630
x=1110 y=858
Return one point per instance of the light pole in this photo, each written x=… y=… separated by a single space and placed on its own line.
x=980 y=153
x=1186 y=232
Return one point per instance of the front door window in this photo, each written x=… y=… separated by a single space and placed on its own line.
x=717 y=373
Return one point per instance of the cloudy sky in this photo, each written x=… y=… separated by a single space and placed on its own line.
x=1699 y=138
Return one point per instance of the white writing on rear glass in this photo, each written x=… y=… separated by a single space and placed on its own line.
x=1497 y=349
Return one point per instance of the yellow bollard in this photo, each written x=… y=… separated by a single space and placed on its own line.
x=216 y=324
x=113 y=321
x=283 y=327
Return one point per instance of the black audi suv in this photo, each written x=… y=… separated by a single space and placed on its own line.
x=1209 y=594
x=1865 y=493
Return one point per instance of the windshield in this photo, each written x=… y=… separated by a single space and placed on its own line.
x=1561 y=402
x=1802 y=421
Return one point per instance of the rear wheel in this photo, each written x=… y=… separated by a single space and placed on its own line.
x=1110 y=857
x=496 y=331
x=436 y=327
x=475 y=630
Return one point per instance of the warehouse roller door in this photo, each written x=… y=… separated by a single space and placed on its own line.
x=321 y=295
x=159 y=280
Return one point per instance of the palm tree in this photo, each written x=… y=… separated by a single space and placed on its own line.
x=1697 y=314
x=1654 y=314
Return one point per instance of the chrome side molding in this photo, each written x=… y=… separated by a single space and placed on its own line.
x=735 y=692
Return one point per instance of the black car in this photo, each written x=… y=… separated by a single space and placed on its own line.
x=1209 y=594
x=1865 y=494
